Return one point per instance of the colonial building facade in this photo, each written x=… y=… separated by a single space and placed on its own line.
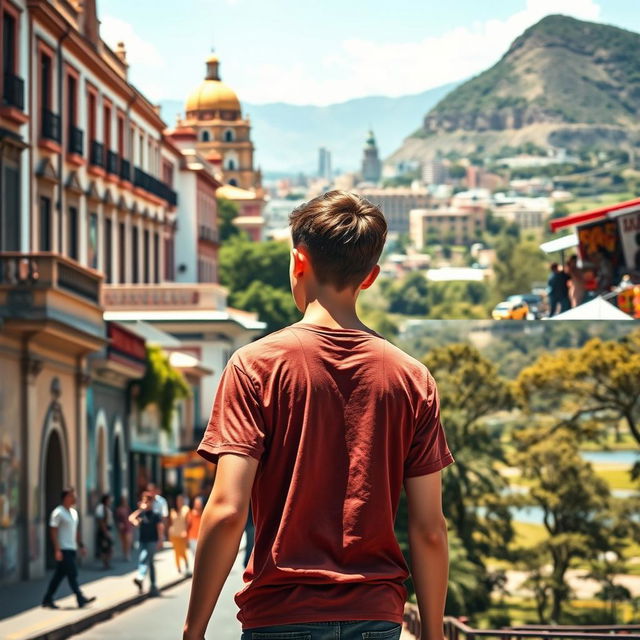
x=89 y=208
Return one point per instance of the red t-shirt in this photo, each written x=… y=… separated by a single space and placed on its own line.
x=338 y=418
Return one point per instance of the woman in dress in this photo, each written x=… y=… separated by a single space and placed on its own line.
x=193 y=524
x=125 y=528
x=178 y=532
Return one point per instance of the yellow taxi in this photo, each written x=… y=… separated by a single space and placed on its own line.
x=511 y=310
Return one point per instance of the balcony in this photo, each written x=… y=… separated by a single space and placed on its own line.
x=13 y=91
x=112 y=162
x=51 y=126
x=125 y=169
x=76 y=140
x=207 y=234
x=154 y=186
x=96 y=156
x=53 y=296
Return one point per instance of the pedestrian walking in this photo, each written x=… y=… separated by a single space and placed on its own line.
x=104 y=531
x=325 y=393
x=160 y=504
x=558 y=289
x=65 y=536
x=194 y=518
x=178 y=532
x=150 y=539
x=125 y=528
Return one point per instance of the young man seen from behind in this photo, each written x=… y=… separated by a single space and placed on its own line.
x=320 y=424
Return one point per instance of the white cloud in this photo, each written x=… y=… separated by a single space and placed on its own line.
x=364 y=67
x=140 y=52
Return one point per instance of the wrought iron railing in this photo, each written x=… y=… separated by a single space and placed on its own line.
x=76 y=140
x=13 y=90
x=112 y=162
x=125 y=169
x=154 y=186
x=208 y=234
x=96 y=157
x=51 y=125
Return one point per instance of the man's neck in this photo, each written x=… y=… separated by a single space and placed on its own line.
x=333 y=317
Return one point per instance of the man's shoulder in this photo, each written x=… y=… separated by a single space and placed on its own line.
x=398 y=360
x=278 y=344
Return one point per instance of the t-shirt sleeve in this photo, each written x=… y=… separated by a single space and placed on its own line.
x=54 y=519
x=236 y=424
x=429 y=451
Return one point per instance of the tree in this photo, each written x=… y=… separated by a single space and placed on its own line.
x=227 y=212
x=575 y=504
x=519 y=263
x=470 y=390
x=409 y=297
x=273 y=306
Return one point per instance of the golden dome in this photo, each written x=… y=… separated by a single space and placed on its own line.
x=213 y=94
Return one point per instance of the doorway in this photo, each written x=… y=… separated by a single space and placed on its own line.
x=53 y=485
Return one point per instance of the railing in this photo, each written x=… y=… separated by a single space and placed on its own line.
x=455 y=629
x=154 y=186
x=76 y=140
x=51 y=125
x=46 y=270
x=112 y=162
x=125 y=169
x=173 y=296
x=13 y=91
x=208 y=234
x=96 y=156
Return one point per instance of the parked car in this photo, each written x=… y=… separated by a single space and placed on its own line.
x=510 y=310
x=534 y=301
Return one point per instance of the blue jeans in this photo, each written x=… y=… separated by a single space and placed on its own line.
x=145 y=560
x=350 y=630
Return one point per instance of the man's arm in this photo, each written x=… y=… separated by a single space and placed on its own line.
x=79 y=542
x=53 y=532
x=160 y=533
x=429 y=550
x=223 y=521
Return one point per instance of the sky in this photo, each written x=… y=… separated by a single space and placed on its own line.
x=327 y=51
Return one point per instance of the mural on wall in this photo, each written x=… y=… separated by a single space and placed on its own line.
x=9 y=506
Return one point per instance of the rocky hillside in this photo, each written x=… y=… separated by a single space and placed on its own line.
x=563 y=83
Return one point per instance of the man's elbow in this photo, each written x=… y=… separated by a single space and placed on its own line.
x=432 y=532
x=227 y=514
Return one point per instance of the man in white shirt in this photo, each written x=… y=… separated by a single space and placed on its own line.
x=160 y=505
x=65 y=535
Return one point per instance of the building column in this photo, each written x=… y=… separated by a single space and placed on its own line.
x=82 y=381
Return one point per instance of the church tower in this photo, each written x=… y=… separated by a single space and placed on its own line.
x=371 y=165
x=223 y=135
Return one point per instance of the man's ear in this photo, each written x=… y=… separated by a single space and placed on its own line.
x=300 y=262
x=371 y=278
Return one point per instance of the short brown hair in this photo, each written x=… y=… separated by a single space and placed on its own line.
x=344 y=235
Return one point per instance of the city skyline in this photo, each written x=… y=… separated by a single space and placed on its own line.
x=329 y=54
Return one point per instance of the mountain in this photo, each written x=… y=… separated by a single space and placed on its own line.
x=287 y=137
x=563 y=83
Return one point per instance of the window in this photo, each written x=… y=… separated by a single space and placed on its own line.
x=121 y=136
x=10 y=209
x=231 y=165
x=72 y=100
x=156 y=257
x=229 y=136
x=45 y=80
x=72 y=248
x=169 y=259
x=145 y=255
x=206 y=136
x=9 y=43
x=45 y=224
x=135 y=277
x=106 y=138
x=92 y=102
x=122 y=252
x=92 y=241
x=108 y=248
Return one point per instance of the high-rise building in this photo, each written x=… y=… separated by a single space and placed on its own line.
x=371 y=165
x=324 y=164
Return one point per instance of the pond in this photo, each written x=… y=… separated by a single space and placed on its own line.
x=624 y=456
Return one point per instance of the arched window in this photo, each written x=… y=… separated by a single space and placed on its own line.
x=206 y=136
x=233 y=182
x=231 y=165
x=229 y=135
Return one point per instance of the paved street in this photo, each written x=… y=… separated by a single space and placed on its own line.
x=160 y=618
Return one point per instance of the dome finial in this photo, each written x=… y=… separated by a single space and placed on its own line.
x=213 y=66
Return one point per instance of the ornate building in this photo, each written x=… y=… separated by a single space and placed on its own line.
x=214 y=112
x=371 y=165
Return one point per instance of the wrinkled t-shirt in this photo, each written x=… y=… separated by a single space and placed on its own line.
x=337 y=418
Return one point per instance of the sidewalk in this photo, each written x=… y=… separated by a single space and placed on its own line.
x=24 y=619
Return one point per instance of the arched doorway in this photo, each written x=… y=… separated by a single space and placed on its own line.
x=101 y=482
x=117 y=472
x=53 y=485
